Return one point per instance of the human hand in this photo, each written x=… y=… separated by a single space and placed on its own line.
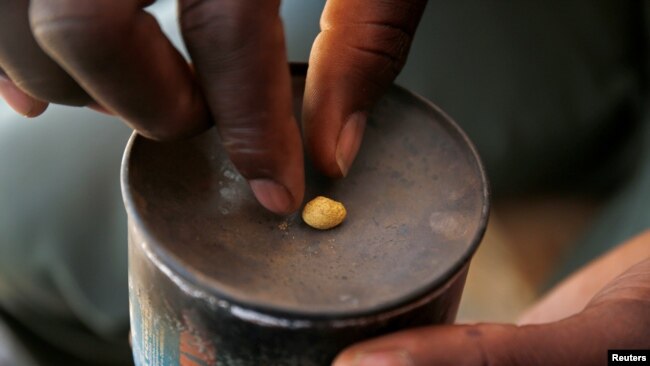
x=560 y=331
x=112 y=55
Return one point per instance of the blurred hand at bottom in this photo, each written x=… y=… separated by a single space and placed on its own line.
x=595 y=310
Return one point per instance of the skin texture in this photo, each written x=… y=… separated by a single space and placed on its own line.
x=604 y=306
x=361 y=48
x=99 y=54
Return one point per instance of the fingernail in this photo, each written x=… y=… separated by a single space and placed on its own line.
x=17 y=100
x=350 y=141
x=272 y=195
x=384 y=358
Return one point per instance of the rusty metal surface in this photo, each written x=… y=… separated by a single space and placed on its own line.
x=172 y=326
x=417 y=206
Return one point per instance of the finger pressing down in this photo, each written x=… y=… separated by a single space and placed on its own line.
x=360 y=50
x=239 y=53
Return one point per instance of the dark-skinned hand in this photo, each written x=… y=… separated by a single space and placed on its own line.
x=604 y=306
x=112 y=56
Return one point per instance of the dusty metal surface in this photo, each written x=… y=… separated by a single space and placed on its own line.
x=214 y=279
x=416 y=199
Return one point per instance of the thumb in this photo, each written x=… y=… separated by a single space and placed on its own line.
x=478 y=345
x=616 y=318
x=360 y=50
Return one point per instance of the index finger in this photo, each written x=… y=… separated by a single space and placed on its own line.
x=239 y=53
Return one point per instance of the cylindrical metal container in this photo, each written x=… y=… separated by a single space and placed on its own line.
x=214 y=279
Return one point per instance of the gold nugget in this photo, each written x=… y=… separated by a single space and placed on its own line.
x=323 y=213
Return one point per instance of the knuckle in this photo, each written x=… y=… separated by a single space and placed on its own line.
x=386 y=43
x=225 y=24
x=213 y=21
x=196 y=16
x=252 y=149
x=207 y=26
x=246 y=141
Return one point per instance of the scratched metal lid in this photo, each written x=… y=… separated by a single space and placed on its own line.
x=417 y=202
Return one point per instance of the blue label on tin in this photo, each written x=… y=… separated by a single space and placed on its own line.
x=155 y=343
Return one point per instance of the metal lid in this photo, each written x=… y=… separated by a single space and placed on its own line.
x=417 y=204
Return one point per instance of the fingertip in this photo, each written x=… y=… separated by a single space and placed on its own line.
x=349 y=356
x=390 y=357
x=274 y=196
x=332 y=139
x=19 y=101
x=273 y=164
x=374 y=352
x=344 y=359
x=38 y=108
x=334 y=145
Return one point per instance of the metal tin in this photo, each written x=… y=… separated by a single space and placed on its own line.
x=214 y=279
